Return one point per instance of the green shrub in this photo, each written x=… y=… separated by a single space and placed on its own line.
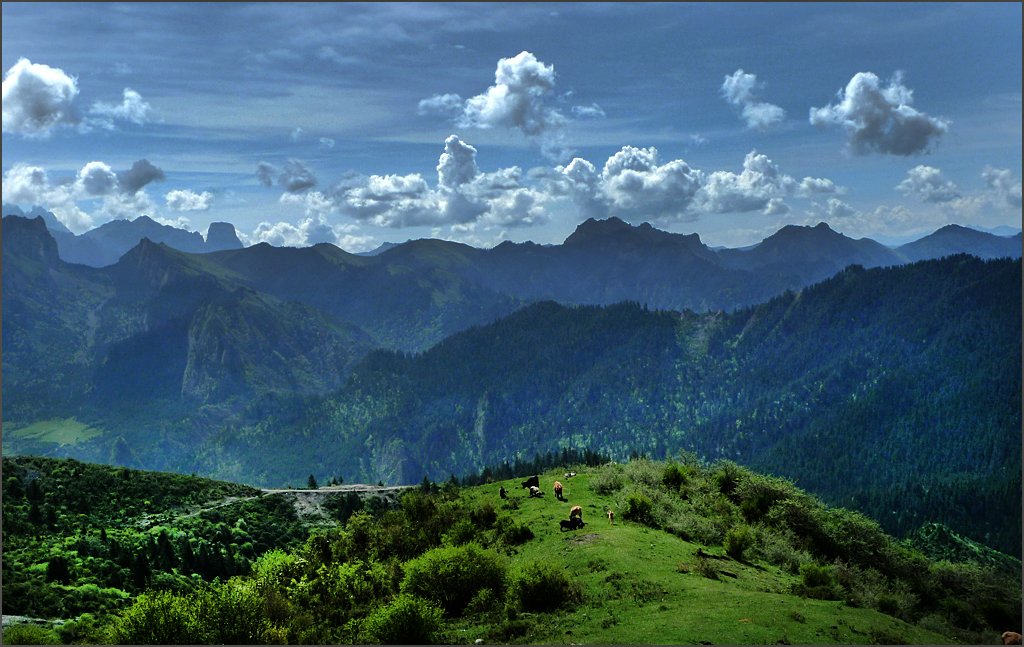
x=706 y=568
x=777 y=546
x=644 y=472
x=673 y=477
x=225 y=614
x=484 y=602
x=461 y=532
x=540 y=586
x=484 y=515
x=607 y=480
x=737 y=540
x=727 y=476
x=406 y=620
x=161 y=618
x=816 y=582
x=638 y=508
x=511 y=533
x=696 y=528
x=452 y=575
x=815 y=575
x=25 y=634
x=757 y=494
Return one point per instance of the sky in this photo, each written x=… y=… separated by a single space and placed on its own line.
x=359 y=124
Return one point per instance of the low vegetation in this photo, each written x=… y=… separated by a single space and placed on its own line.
x=696 y=553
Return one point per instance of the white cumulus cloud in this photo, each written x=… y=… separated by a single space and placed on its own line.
x=518 y=99
x=187 y=200
x=97 y=178
x=37 y=98
x=1002 y=182
x=739 y=90
x=635 y=185
x=753 y=189
x=879 y=118
x=929 y=184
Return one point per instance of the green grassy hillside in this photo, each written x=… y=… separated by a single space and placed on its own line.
x=711 y=554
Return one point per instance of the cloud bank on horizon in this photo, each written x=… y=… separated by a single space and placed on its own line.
x=256 y=145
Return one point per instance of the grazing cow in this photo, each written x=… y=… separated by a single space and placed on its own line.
x=558 y=490
x=533 y=481
x=502 y=493
x=535 y=491
x=569 y=475
x=1011 y=638
x=611 y=517
x=571 y=524
x=576 y=511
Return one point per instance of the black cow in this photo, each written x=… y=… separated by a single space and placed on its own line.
x=533 y=480
x=502 y=493
x=571 y=524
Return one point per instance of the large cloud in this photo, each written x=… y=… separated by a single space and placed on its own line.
x=635 y=185
x=294 y=177
x=880 y=118
x=392 y=201
x=97 y=178
x=520 y=99
x=929 y=184
x=37 y=98
x=463 y=195
x=1001 y=181
x=738 y=89
x=759 y=186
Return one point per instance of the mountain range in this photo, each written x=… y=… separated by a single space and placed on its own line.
x=894 y=386
x=105 y=244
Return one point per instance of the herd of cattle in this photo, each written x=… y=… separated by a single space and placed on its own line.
x=575 y=520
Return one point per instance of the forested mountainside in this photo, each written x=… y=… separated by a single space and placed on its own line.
x=895 y=391
x=696 y=553
x=887 y=389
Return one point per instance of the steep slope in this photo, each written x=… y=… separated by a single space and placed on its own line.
x=158 y=324
x=49 y=323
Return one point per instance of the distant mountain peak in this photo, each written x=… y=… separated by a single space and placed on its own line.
x=221 y=236
x=614 y=229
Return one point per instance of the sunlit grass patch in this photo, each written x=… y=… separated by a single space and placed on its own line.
x=60 y=431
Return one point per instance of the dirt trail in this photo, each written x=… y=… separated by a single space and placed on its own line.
x=309 y=503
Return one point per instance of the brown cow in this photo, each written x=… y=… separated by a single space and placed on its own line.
x=558 y=490
x=576 y=511
x=1011 y=638
x=611 y=517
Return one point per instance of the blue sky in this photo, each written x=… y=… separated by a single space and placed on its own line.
x=360 y=124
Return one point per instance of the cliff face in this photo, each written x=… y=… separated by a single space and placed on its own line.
x=220 y=236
